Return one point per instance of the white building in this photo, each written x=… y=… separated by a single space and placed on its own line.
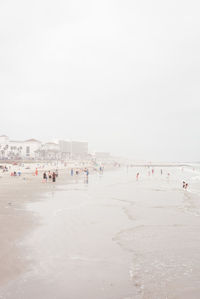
x=33 y=149
x=14 y=149
x=65 y=147
x=48 y=151
x=73 y=149
x=30 y=148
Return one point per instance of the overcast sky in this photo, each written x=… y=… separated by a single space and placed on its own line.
x=123 y=75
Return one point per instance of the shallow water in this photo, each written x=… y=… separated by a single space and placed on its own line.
x=114 y=238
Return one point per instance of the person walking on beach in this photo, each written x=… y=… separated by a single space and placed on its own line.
x=72 y=172
x=86 y=171
x=152 y=171
x=137 y=176
x=54 y=177
x=161 y=172
x=36 y=172
x=45 y=177
x=49 y=175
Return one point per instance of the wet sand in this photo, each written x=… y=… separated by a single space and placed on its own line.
x=113 y=238
x=16 y=221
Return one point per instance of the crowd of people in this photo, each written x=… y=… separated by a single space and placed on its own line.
x=50 y=176
x=78 y=171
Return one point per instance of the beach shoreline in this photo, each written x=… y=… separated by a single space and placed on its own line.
x=168 y=208
x=16 y=221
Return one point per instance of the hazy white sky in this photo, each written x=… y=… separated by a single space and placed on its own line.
x=123 y=75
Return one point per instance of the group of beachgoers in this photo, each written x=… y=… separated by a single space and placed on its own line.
x=152 y=171
x=185 y=185
x=4 y=168
x=16 y=173
x=85 y=171
x=50 y=176
x=78 y=171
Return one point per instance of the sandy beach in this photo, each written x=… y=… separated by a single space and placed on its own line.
x=15 y=220
x=111 y=238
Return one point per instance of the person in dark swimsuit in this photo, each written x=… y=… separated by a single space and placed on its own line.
x=54 y=177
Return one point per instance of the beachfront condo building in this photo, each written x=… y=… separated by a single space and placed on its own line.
x=16 y=149
x=33 y=149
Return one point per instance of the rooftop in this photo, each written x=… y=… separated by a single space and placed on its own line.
x=32 y=140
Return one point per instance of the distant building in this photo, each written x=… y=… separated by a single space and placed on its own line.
x=15 y=149
x=79 y=149
x=35 y=150
x=30 y=147
x=65 y=148
x=73 y=149
x=4 y=139
x=48 y=151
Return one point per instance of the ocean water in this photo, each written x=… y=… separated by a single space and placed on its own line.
x=114 y=237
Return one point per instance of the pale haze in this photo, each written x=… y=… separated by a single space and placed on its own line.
x=123 y=75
